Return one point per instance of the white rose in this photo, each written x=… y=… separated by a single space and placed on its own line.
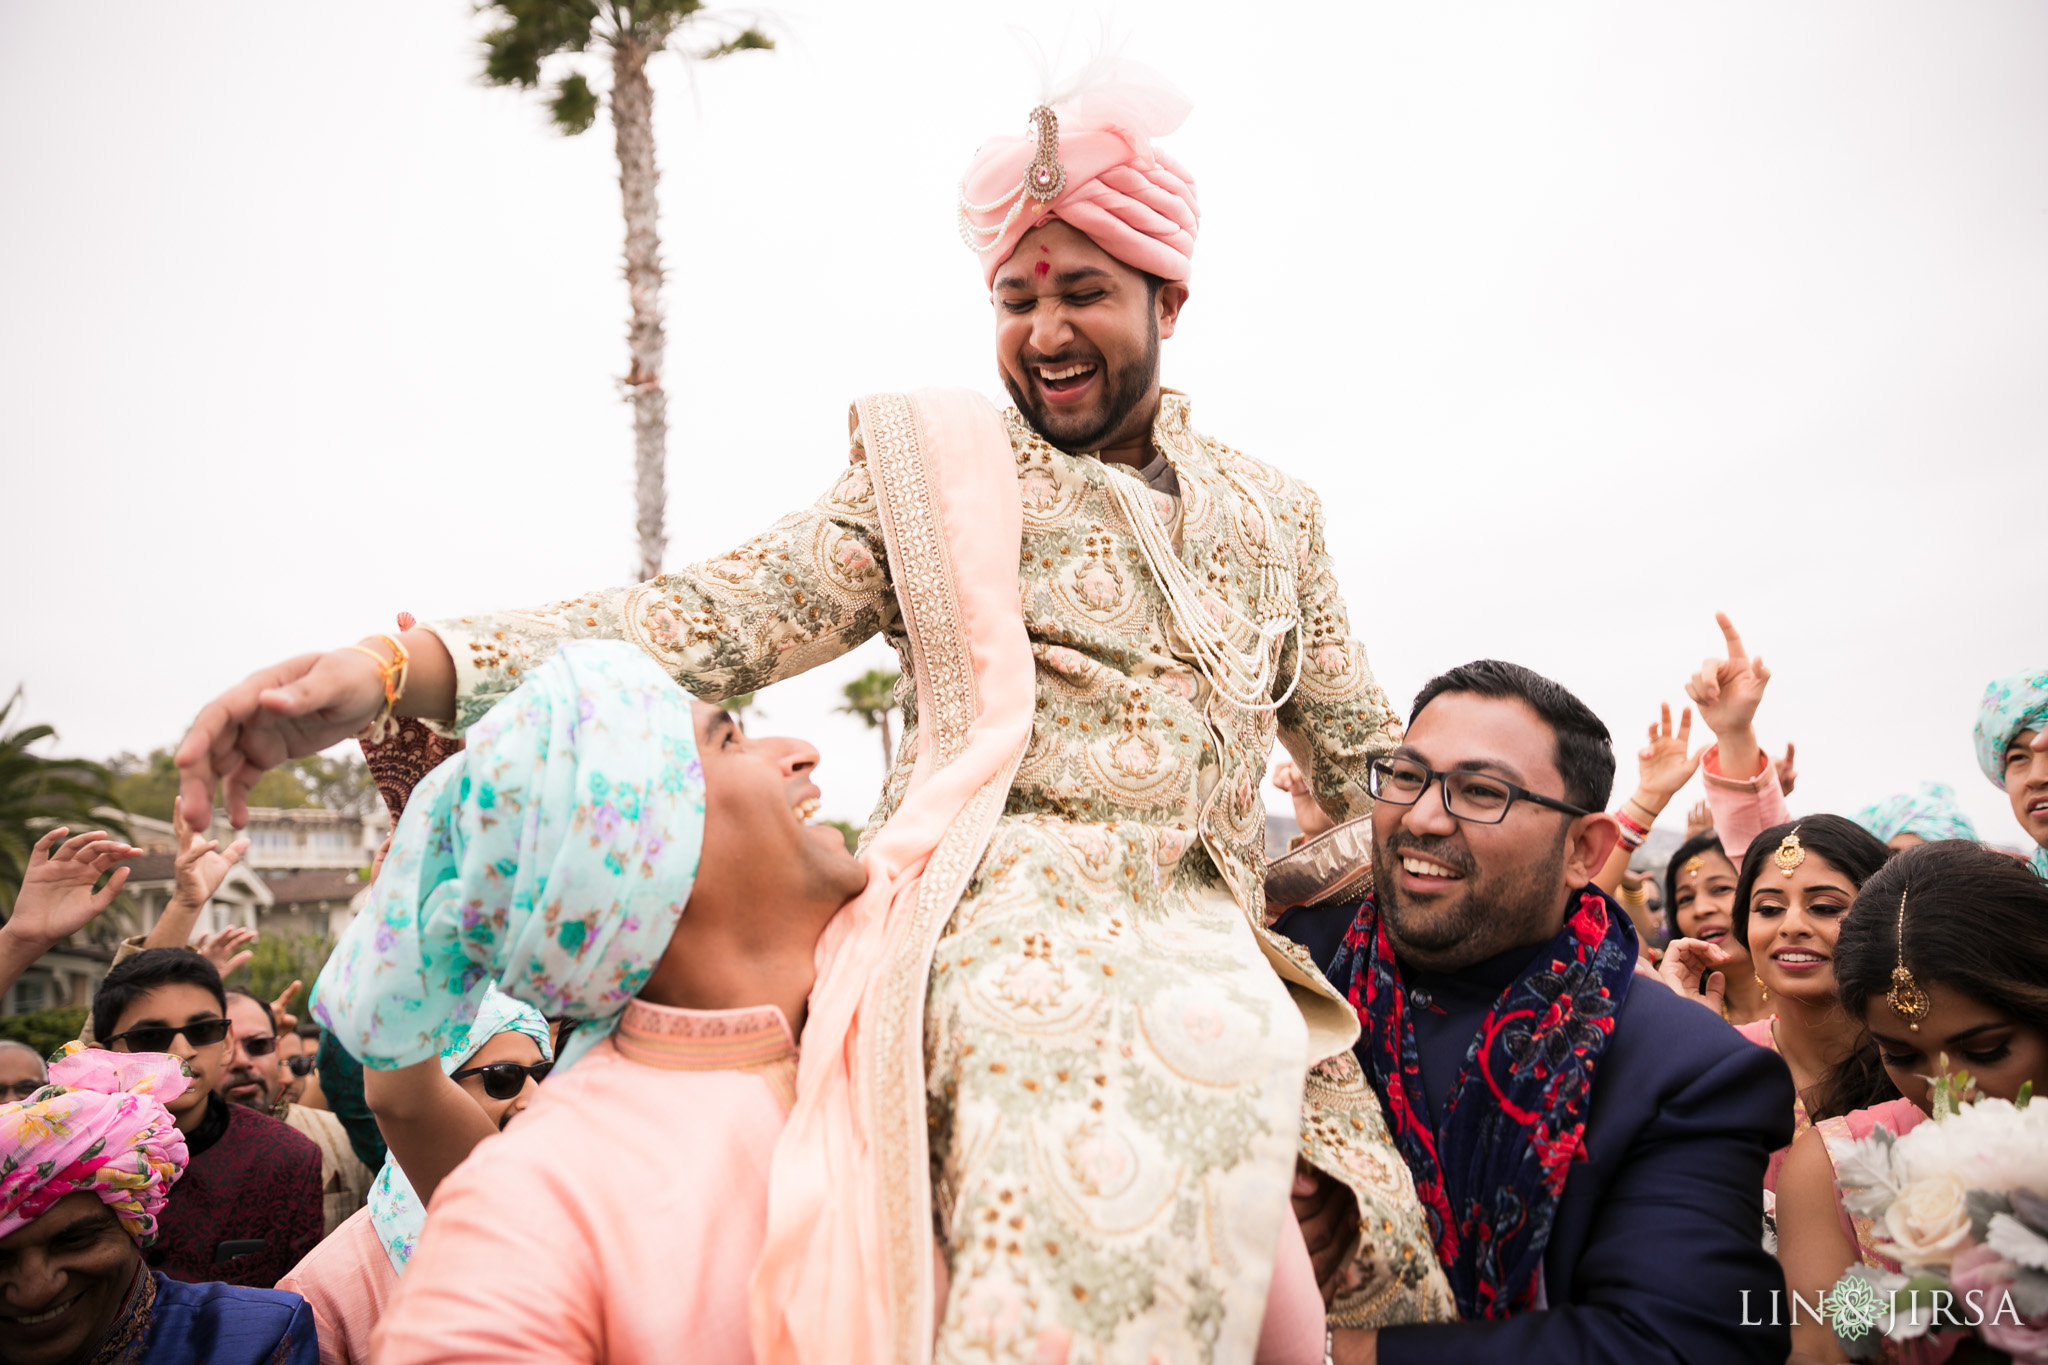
x=1929 y=1222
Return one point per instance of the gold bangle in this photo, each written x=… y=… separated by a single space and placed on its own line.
x=392 y=673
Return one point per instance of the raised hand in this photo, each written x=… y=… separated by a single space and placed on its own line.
x=1727 y=692
x=226 y=950
x=1312 y=818
x=281 y=1008
x=56 y=899
x=1665 y=764
x=201 y=866
x=1699 y=819
x=1787 y=774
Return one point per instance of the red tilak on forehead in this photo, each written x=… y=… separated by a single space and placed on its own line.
x=1043 y=269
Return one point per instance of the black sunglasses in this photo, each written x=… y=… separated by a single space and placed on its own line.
x=503 y=1080
x=258 y=1047
x=301 y=1065
x=19 y=1090
x=1480 y=798
x=157 y=1037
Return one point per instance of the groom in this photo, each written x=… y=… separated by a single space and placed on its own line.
x=1117 y=1045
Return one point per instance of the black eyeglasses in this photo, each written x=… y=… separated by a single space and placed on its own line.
x=19 y=1090
x=301 y=1065
x=258 y=1047
x=157 y=1037
x=503 y=1080
x=1481 y=798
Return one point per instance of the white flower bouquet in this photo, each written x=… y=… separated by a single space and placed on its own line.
x=1961 y=1203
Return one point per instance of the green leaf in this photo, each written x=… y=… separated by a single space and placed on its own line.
x=746 y=40
x=574 y=107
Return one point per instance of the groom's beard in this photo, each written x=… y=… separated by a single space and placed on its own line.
x=1082 y=433
x=1480 y=916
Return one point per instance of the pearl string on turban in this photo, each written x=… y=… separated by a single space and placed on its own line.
x=1090 y=162
x=99 y=1127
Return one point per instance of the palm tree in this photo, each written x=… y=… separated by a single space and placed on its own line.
x=532 y=32
x=872 y=696
x=37 y=793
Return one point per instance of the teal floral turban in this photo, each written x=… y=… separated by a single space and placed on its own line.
x=2010 y=705
x=551 y=857
x=395 y=1210
x=1930 y=812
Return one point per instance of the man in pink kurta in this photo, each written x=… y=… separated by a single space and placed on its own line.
x=635 y=1192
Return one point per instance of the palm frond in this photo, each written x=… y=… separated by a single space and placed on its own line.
x=38 y=794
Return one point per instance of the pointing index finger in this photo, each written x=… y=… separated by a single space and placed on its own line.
x=1728 y=633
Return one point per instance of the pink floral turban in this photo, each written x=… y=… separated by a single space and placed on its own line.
x=99 y=1127
x=1130 y=198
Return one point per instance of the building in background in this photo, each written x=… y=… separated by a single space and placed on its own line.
x=305 y=874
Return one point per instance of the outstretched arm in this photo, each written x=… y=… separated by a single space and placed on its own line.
x=808 y=589
x=1338 y=719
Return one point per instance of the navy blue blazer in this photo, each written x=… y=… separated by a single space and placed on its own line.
x=1660 y=1229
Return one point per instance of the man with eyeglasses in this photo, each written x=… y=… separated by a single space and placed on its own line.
x=254 y=1078
x=21 y=1071
x=1589 y=1147
x=248 y=1206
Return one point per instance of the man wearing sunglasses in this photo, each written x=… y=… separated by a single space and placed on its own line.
x=249 y=1203
x=1589 y=1147
x=254 y=1078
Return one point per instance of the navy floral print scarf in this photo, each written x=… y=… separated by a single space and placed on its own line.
x=1490 y=1177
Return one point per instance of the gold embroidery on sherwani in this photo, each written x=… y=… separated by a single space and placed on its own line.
x=1131 y=839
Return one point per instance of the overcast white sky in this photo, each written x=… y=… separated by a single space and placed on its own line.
x=1585 y=319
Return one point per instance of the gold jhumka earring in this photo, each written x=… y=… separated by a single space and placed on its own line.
x=1765 y=989
x=1790 y=853
x=1905 y=997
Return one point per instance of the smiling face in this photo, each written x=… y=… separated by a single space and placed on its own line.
x=1452 y=892
x=1705 y=900
x=758 y=796
x=63 y=1279
x=247 y=1078
x=180 y=1003
x=2026 y=782
x=2000 y=1053
x=509 y=1046
x=1792 y=926
x=1077 y=339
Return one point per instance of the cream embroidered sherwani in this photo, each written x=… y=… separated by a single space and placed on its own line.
x=1115 y=1045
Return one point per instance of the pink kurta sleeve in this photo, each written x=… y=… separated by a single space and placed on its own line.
x=497 y=1277
x=1743 y=808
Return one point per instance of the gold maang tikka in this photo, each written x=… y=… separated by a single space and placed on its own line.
x=1790 y=853
x=1905 y=997
x=1692 y=868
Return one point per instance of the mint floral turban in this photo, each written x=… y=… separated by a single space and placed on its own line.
x=395 y=1210
x=552 y=857
x=1930 y=812
x=2010 y=705
x=99 y=1127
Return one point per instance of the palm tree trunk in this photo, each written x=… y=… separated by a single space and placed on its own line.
x=633 y=124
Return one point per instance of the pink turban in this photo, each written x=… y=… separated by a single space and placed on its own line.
x=99 y=1127
x=1130 y=198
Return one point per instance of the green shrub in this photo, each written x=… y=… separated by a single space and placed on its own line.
x=44 y=1030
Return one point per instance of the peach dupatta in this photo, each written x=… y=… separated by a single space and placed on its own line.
x=846 y=1272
